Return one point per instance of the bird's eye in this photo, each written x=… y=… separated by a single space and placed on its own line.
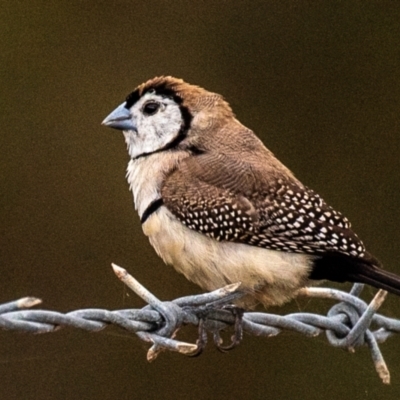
x=151 y=108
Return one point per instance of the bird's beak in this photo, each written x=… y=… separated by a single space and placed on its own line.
x=121 y=119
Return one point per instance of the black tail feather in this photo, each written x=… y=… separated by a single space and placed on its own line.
x=378 y=278
x=341 y=268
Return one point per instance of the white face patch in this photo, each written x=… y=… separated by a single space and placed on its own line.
x=154 y=131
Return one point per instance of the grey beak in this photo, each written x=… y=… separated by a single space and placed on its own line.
x=121 y=119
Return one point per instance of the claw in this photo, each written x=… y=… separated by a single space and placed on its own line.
x=237 y=336
x=201 y=342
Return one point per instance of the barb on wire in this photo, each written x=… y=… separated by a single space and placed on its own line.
x=349 y=324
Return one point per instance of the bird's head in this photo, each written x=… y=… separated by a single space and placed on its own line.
x=165 y=113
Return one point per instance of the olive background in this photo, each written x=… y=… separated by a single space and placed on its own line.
x=318 y=81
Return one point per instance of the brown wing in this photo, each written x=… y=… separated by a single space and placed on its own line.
x=234 y=201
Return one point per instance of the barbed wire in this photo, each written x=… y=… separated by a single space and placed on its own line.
x=348 y=324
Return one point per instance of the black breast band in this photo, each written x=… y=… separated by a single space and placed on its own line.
x=152 y=207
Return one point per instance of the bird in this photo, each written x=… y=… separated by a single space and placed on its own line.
x=219 y=207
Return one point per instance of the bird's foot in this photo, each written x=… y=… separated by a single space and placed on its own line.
x=237 y=336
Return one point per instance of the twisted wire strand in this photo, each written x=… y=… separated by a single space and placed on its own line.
x=348 y=324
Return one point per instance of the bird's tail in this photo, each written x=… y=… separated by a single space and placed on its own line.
x=341 y=268
x=377 y=277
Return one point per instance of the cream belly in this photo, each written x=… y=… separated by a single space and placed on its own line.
x=270 y=277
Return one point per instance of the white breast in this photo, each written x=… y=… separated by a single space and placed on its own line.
x=145 y=176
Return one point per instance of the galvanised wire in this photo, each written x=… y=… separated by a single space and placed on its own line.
x=350 y=323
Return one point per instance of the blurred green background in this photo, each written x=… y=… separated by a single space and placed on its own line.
x=317 y=80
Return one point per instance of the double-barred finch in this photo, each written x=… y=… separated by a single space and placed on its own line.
x=218 y=206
